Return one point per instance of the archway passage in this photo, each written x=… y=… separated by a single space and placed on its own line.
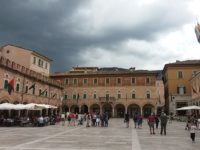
x=74 y=109
x=84 y=109
x=147 y=110
x=4 y=101
x=107 y=108
x=119 y=111
x=134 y=109
x=65 y=108
x=95 y=108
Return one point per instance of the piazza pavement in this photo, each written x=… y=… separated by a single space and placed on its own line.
x=114 y=137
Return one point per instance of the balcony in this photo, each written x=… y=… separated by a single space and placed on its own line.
x=107 y=99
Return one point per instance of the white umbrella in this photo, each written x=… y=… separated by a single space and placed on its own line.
x=189 y=108
x=6 y=106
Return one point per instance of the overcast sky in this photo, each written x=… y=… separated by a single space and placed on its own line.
x=145 y=34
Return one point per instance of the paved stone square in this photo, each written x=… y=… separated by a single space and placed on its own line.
x=115 y=137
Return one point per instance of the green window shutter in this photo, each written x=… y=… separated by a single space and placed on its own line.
x=6 y=84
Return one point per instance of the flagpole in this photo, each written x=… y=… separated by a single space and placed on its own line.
x=22 y=94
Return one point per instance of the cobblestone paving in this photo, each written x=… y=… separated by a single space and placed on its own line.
x=115 y=137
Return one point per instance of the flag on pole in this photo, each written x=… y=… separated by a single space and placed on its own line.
x=77 y=98
x=42 y=93
x=54 y=95
x=197 y=31
x=194 y=91
x=32 y=86
x=11 y=86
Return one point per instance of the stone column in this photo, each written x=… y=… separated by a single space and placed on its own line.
x=141 y=112
x=113 y=112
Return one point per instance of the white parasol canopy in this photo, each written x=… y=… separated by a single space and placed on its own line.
x=31 y=106
x=194 y=107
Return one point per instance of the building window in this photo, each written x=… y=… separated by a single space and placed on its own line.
x=148 y=95
x=17 y=87
x=65 y=97
x=40 y=63
x=84 y=95
x=95 y=96
x=85 y=81
x=40 y=91
x=6 y=84
x=26 y=89
x=46 y=65
x=34 y=60
x=133 y=80
x=180 y=75
x=66 y=81
x=119 y=95
x=74 y=96
x=33 y=91
x=133 y=95
x=118 y=80
x=147 y=80
x=107 y=81
x=95 y=81
x=107 y=96
x=75 y=81
x=181 y=90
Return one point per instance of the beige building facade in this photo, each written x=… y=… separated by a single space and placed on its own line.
x=30 y=86
x=195 y=88
x=115 y=90
x=177 y=77
x=28 y=58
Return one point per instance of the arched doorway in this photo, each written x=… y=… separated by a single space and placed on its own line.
x=107 y=108
x=74 y=109
x=65 y=108
x=119 y=111
x=95 y=108
x=84 y=109
x=147 y=110
x=133 y=109
x=4 y=101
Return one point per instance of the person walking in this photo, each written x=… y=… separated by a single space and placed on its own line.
x=192 y=131
x=157 y=121
x=126 y=119
x=163 y=123
x=151 y=122
x=63 y=119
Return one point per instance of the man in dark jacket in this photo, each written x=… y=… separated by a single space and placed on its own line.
x=163 y=123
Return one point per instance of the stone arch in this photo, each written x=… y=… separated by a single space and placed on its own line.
x=95 y=108
x=16 y=102
x=74 y=109
x=119 y=111
x=147 y=109
x=4 y=101
x=133 y=109
x=84 y=109
x=107 y=107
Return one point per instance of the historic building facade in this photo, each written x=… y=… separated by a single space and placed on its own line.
x=28 y=58
x=195 y=88
x=116 y=90
x=30 y=86
x=177 y=77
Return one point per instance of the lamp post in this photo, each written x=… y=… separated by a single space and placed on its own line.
x=61 y=99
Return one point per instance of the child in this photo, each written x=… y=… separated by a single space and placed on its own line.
x=192 y=131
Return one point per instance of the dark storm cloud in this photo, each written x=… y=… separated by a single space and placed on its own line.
x=58 y=30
